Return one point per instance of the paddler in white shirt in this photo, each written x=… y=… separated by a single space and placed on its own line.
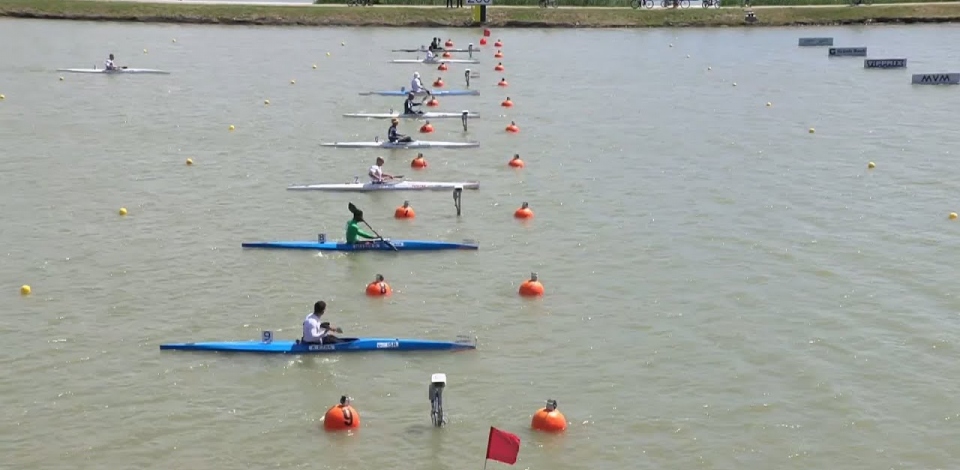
x=109 y=65
x=377 y=176
x=317 y=332
x=430 y=57
x=416 y=86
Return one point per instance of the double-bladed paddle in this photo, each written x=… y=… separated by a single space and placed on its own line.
x=358 y=214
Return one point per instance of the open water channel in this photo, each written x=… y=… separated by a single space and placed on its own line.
x=725 y=290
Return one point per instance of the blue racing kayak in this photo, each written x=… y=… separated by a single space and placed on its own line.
x=438 y=93
x=267 y=345
x=372 y=245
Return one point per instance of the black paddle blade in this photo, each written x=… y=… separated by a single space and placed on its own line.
x=357 y=213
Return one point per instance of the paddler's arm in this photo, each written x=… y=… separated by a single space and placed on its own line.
x=330 y=327
x=363 y=234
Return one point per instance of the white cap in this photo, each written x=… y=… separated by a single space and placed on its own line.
x=416 y=74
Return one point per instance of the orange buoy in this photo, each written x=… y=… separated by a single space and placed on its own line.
x=483 y=41
x=486 y=32
x=446 y=55
x=498 y=55
x=499 y=67
x=379 y=287
x=426 y=128
x=524 y=212
x=433 y=103
x=531 y=287
x=498 y=43
x=548 y=419
x=404 y=211
x=438 y=82
x=449 y=43
x=516 y=162
x=503 y=82
x=442 y=67
x=507 y=103
x=419 y=162
x=512 y=128
x=341 y=417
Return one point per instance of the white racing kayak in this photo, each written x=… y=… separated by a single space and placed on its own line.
x=116 y=71
x=427 y=115
x=435 y=61
x=417 y=144
x=403 y=92
x=357 y=186
x=424 y=50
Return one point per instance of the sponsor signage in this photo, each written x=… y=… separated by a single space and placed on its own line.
x=936 y=79
x=848 y=52
x=884 y=63
x=479 y=2
x=814 y=42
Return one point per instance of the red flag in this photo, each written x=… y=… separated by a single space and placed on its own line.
x=503 y=446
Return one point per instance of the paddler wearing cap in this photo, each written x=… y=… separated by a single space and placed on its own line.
x=395 y=137
x=416 y=86
x=376 y=173
x=409 y=104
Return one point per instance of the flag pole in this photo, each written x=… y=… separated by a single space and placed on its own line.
x=486 y=455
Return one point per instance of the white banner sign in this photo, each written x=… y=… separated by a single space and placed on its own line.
x=479 y=2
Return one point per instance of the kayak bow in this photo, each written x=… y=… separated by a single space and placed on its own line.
x=267 y=345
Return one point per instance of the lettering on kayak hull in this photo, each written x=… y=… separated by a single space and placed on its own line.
x=815 y=42
x=388 y=345
x=847 y=52
x=320 y=347
x=936 y=79
x=884 y=63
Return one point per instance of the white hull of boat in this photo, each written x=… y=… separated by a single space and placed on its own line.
x=427 y=115
x=424 y=51
x=117 y=71
x=417 y=144
x=389 y=186
x=437 y=93
x=435 y=62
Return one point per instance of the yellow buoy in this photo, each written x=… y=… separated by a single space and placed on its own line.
x=953 y=216
x=769 y=104
x=812 y=130
x=871 y=165
x=2 y=97
x=123 y=211
x=314 y=66
x=342 y=44
x=144 y=51
x=174 y=39
x=61 y=79
x=688 y=56
x=231 y=127
x=189 y=161
x=709 y=68
x=266 y=101
x=734 y=83
x=328 y=54
x=292 y=82
x=25 y=290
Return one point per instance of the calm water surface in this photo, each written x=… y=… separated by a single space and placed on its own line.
x=724 y=289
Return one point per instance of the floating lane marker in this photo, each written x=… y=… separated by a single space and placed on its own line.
x=847 y=52
x=815 y=42
x=936 y=79
x=885 y=63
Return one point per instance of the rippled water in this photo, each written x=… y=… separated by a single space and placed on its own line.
x=724 y=289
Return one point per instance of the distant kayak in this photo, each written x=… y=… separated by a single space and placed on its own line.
x=116 y=71
x=426 y=115
x=371 y=245
x=387 y=186
x=435 y=61
x=404 y=92
x=267 y=345
x=416 y=144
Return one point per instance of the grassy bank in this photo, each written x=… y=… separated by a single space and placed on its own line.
x=433 y=17
x=626 y=3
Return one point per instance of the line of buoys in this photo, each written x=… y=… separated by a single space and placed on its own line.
x=122 y=211
x=419 y=162
x=516 y=162
x=449 y=43
x=498 y=43
x=342 y=416
x=531 y=287
x=379 y=287
x=524 y=212
x=442 y=67
x=483 y=41
x=446 y=55
x=404 y=211
x=231 y=127
x=189 y=161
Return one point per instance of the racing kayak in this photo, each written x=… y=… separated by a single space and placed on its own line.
x=424 y=50
x=117 y=71
x=267 y=345
x=356 y=186
x=426 y=115
x=403 y=92
x=435 y=62
x=417 y=144
x=370 y=245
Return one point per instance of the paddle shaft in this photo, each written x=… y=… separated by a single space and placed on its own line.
x=378 y=236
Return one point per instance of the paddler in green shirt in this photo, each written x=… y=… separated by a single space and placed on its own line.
x=354 y=231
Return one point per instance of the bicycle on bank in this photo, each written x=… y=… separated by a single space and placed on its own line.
x=359 y=3
x=641 y=3
x=711 y=3
x=549 y=4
